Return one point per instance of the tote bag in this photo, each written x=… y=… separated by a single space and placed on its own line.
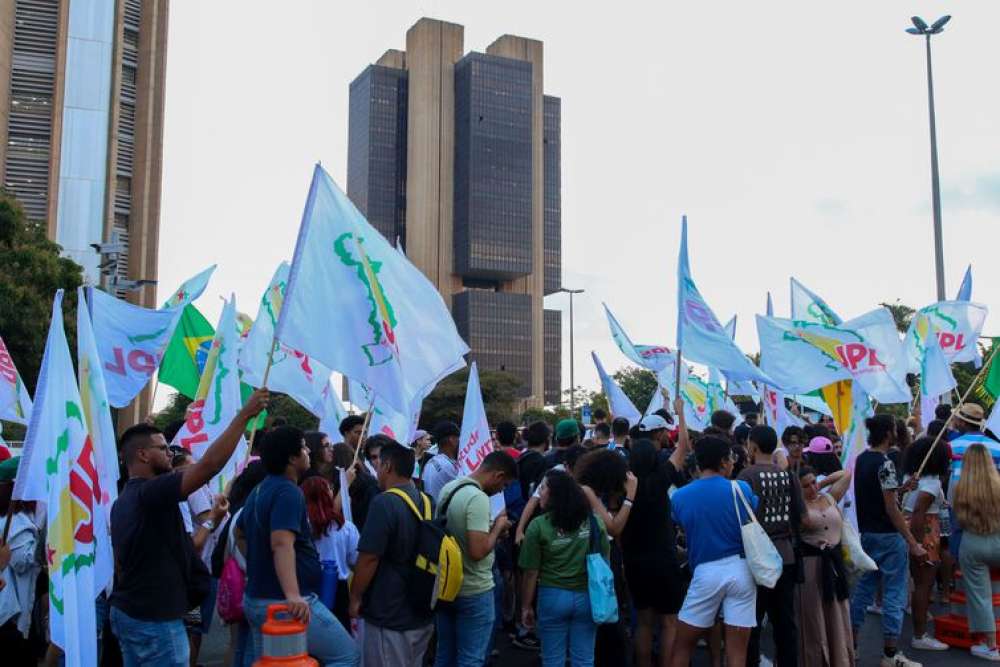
x=763 y=558
x=856 y=560
x=600 y=580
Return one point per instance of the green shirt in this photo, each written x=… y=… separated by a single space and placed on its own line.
x=560 y=558
x=469 y=509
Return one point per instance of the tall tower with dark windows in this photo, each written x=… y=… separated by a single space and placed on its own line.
x=458 y=156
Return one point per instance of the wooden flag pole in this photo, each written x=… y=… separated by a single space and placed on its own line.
x=6 y=525
x=263 y=385
x=364 y=429
x=954 y=409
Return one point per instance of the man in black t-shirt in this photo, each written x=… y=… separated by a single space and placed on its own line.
x=885 y=536
x=396 y=634
x=155 y=562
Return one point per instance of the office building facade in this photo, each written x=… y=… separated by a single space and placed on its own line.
x=458 y=156
x=81 y=127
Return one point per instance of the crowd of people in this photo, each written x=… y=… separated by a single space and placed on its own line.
x=337 y=533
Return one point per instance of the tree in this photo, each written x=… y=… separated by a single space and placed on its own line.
x=595 y=399
x=638 y=384
x=447 y=401
x=901 y=313
x=551 y=416
x=32 y=272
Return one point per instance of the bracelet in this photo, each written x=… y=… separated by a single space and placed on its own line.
x=626 y=503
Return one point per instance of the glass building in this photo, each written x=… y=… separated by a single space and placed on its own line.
x=458 y=155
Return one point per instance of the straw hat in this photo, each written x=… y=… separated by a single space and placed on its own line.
x=971 y=413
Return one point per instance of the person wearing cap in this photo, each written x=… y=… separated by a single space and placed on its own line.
x=567 y=434
x=443 y=466
x=420 y=444
x=820 y=456
x=656 y=429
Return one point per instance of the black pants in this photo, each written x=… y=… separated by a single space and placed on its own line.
x=779 y=605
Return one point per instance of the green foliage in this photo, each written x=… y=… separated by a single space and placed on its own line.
x=595 y=399
x=174 y=412
x=32 y=272
x=447 y=401
x=551 y=416
x=901 y=313
x=638 y=384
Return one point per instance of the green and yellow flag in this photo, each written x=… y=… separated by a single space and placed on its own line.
x=184 y=359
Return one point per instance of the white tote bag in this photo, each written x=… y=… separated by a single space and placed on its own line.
x=763 y=559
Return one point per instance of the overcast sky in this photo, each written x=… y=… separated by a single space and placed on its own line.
x=795 y=139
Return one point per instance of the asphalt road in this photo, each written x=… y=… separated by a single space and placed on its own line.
x=870 y=650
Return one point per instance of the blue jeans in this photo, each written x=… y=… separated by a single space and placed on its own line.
x=466 y=647
x=326 y=638
x=150 y=643
x=564 y=621
x=889 y=552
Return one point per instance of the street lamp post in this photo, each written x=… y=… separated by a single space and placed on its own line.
x=920 y=27
x=572 y=379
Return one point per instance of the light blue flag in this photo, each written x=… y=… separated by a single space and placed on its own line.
x=393 y=331
x=331 y=412
x=809 y=307
x=618 y=401
x=965 y=290
x=700 y=337
x=739 y=387
x=190 y=289
x=652 y=357
x=803 y=356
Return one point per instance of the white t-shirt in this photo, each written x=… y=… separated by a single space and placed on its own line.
x=929 y=485
x=339 y=545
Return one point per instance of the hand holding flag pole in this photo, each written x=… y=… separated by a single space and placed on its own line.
x=955 y=408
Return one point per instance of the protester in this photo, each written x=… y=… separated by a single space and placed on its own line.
x=723 y=420
x=531 y=465
x=397 y=633
x=655 y=429
x=567 y=434
x=443 y=466
x=20 y=564
x=282 y=563
x=351 y=429
x=977 y=509
x=825 y=636
x=619 y=434
x=923 y=506
x=364 y=488
x=649 y=545
x=793 y=439
x=885 y=537
x=705 y=509
x=158 y=575
x=600 y=417
x=780 y=513
x=820 y=456
x=553 y=557
x=464 y=503
x=420 y=444
x=602 y=437
x=320 y=456
x=336 y=542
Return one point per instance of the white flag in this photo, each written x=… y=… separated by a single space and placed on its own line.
x=15 y=403
x=618 y=401
x=58 y=468
x=357 y=305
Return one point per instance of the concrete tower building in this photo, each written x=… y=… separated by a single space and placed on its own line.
x=458 y=156
x=81 y=125
x=81 y=128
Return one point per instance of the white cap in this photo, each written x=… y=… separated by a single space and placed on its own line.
x=653 y=423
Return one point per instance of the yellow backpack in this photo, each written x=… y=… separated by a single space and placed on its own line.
x=437 y=559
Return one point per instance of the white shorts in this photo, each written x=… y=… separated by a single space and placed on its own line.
x=725 y=583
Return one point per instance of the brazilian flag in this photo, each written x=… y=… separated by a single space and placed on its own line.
x=187 y=351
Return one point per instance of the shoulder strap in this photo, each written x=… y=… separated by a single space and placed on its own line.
x=595 y=536
x=426 y=515
x=737 y=491
x=443 y=509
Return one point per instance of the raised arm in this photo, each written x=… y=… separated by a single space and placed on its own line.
x=215 y=457
x=839 y=482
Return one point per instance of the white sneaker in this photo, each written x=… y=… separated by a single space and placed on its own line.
x=928 y=643
x=899 y=660
x=985 y=652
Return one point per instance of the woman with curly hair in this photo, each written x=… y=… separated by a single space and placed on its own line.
x=554 y=560
x=922 y=507
x=977 y=508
